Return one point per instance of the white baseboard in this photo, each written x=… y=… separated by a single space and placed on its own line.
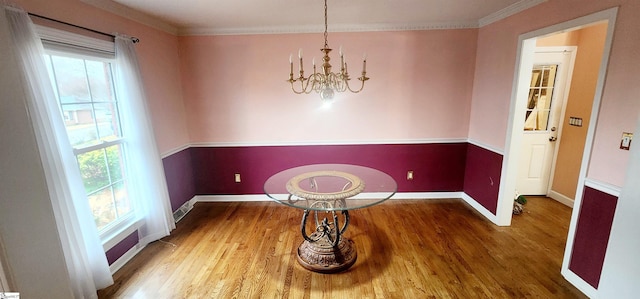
x=262 y=197
x=482 y=210
x=426 y=195
x=579 y=283
x=561 y=198
x=125 y=258
x=401 y=195
x=232 y=198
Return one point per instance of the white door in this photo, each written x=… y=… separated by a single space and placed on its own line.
x=544 y=108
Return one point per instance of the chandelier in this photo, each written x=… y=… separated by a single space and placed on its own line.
x=325 y=82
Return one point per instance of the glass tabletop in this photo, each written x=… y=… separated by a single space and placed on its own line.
x=330 y=187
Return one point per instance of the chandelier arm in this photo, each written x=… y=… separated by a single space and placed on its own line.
x=340 y=82
x=295 y=91
x=302 y=86
x=308 y=89
x=305 y=88
x=361 y=79
x=313 y=81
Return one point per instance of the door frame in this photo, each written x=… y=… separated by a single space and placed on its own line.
x=513 y=143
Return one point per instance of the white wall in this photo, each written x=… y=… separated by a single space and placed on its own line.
x=5 y=284
x=621 y=271
x=34 y=255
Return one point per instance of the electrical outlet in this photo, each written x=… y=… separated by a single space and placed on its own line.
x=238 y=178
x=409 y=175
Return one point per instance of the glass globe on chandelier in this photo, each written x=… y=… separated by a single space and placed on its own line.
x=325 y=82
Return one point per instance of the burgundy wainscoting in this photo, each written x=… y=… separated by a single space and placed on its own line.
x=121 y=248
x=436 y=166
x=178 y=171
x=482 y=176
x=592 y=235
x=179 y=175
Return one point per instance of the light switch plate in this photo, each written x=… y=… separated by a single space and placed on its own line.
x=625 y=143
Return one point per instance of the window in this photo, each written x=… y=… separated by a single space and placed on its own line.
x=540 y=96
x=84 y=88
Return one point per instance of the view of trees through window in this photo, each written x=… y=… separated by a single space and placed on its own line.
x=85 y=93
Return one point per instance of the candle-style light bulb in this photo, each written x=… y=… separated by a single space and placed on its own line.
x=291 y=64
x=313 y=62
x=364 y=62
x=341 y=59
x=300 y=56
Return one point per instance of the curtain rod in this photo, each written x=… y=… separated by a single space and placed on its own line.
x=133 y=39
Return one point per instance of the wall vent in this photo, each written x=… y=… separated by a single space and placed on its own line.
x=182 y=211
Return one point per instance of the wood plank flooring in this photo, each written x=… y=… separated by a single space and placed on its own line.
x=406 y=249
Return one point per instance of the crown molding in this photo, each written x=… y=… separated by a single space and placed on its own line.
x=146 y=19
x=320 y=28
x=132 y=14
x=509 y=11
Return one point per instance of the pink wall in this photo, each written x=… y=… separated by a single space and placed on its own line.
x=620 y=104
x=235 y=89
x=425 y=84
x=495 y=65
x=158 y=56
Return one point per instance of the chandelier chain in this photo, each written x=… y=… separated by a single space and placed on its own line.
x=326 y=34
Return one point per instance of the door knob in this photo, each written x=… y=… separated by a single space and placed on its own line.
x=552 y=139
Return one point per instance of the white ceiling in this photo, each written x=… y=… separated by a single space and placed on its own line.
x=283 y=16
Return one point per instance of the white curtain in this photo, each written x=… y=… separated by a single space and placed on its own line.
x=86 y=262
x=145 y=171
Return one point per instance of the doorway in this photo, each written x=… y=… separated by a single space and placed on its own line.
x=569 y=169
x=563 y=140
x=524 y=65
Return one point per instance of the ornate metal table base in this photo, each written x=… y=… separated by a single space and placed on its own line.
x=326 y=250
x=327 y=259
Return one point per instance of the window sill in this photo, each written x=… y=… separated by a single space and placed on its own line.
x=112 y=239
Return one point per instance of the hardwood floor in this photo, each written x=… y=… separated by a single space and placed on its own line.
x=406 y=249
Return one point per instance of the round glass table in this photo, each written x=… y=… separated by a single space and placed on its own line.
x=327 y=192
